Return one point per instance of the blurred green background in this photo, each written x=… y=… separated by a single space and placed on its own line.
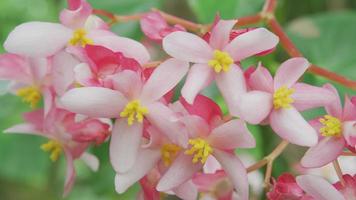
x=324 y=30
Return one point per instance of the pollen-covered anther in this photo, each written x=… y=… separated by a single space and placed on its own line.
x=282 y=98
x=29 y=95
x=169 y=153
x=54 y=147
x=221 y=61
x=134 y=111
x=201 y=150
x=80 y=37
x=332 y=126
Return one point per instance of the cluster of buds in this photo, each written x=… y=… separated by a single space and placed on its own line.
x=95 y=88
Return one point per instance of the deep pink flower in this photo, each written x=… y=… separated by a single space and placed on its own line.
x=336 y=129
x=285 y=97
x=59 y=126
x=285 y=188
x=156 y=28
x=130 y=102
x=219 y=59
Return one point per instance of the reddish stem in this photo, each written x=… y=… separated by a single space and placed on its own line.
x=270 y=6
x=249 y=20
x=332 y=76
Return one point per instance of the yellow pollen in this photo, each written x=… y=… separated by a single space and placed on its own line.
x=201 y=150
x=169 y=153
x=134 y=109
x=54 y=147
x=79 y=37
x=332 y=126
x=281 y=97
x=221 y=61
x=29 y=95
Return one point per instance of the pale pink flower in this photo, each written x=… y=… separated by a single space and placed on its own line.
x=336 y=130
x=130 y=102
x=155 y=27
x=320 y=189
x=60 y=129
x=77 y=29
x=219 y=59
x=285 y=98
x=210 y=139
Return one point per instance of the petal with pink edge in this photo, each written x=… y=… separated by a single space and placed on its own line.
x=146 y=161
x=124 y=145
x=254 y=106
x=349 y=132
x=14 y=67
x=231 y=85
x=235 y=170
x=318 y=188
x=349 y=112
x=291 y=126
x=163 y=79
x=25 y=128
x=130 y=48
x=37 y=39
x=94 y=102
x=187 y=191
x=326 y=151
x=63 y=71
x=128 y=82
x=180 y=171
x=75 y=18
x=232 y=134
x=199 y=77
x=70 y=173
x=196 y=126
x=251 y=43
x=334 y=108
x=162 y=117
x=307 y=96
x=84 y=76
x=187 y=46
x=290 y=71
x=220 y=35
x=261 y=79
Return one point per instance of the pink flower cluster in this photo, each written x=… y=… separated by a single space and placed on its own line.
x=94 y=86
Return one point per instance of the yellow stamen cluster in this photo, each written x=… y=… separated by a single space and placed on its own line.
x=54 y=147
x=79 y=37
x=29 y=95
x=201 y=150
x=281 y=97
x=169 y=153
x=332 y=126
x=221 y=61
x=134 y=109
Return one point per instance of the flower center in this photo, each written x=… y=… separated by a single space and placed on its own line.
x=332 y=126
x=221 y=61
x=169 y=153
x=134 y=109
x=201 y=149
x=281 y=97
x=54 y=147
x=29 y=95
x=79 y=37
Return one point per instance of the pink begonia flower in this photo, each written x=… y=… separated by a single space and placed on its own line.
x=101 y=65
x=285 y=98
x=336 y=130
x=286 y=188
x=77 y=29
x=219 y=59
x=59 y=127
x=320 y=189
x=214 y=186
x=155 y=27
x=161 y=152
x=131 y=101
x=29 y=78
x=210 y=139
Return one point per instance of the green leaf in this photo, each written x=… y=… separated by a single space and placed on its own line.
x=328 y=40
x=206 y=10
